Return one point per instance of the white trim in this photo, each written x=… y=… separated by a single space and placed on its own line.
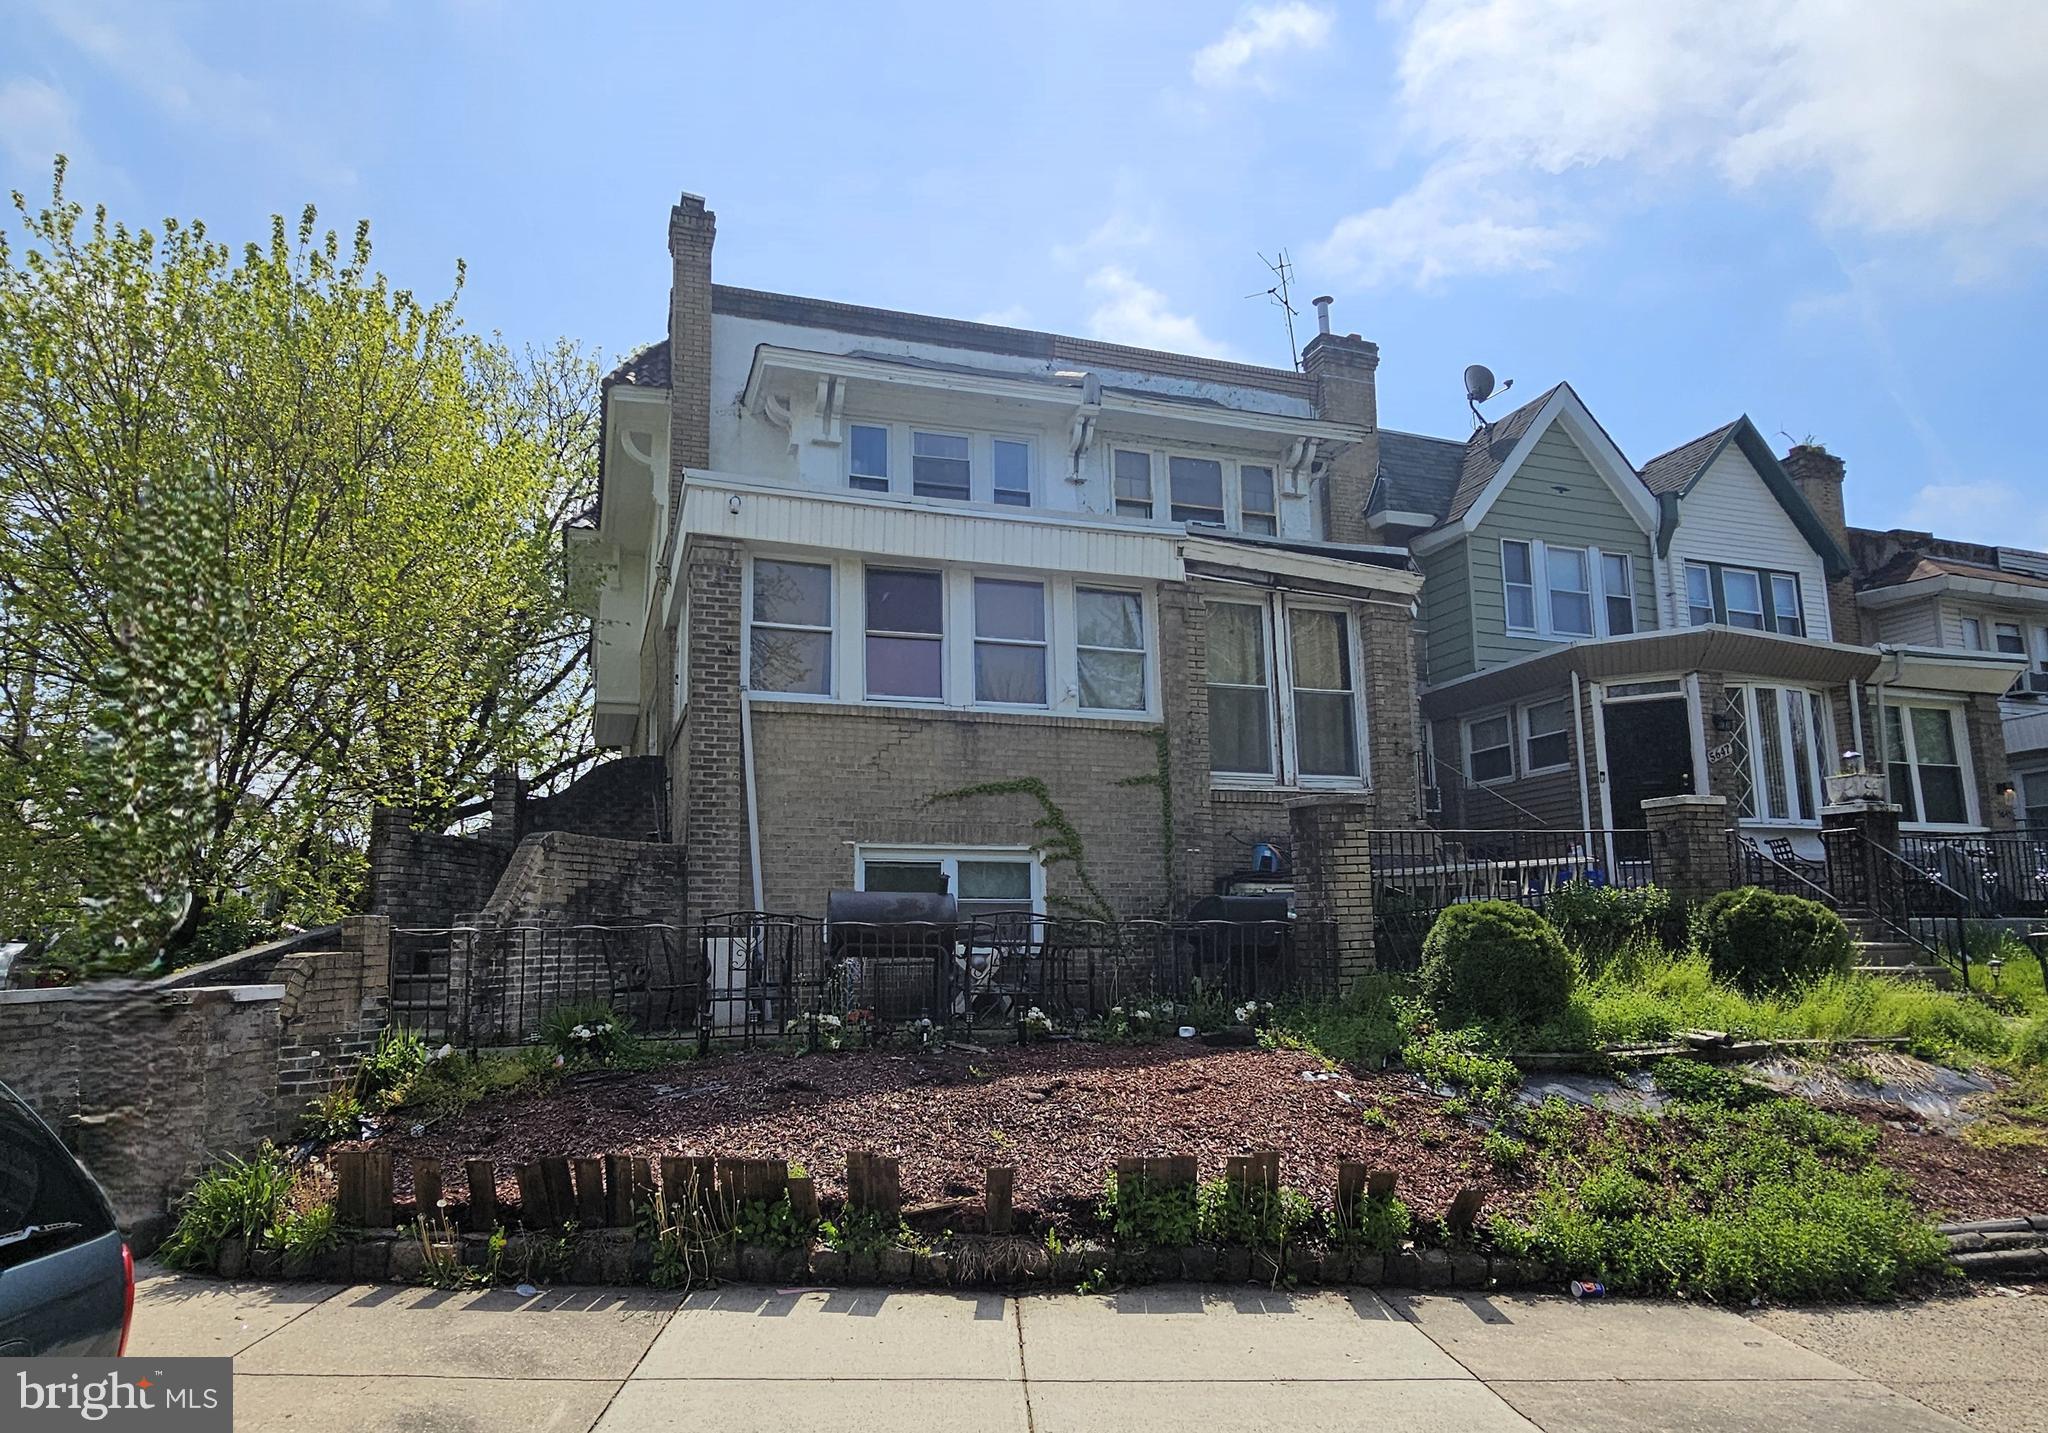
x=1605 y=459
x=1465 y=725
x=948 y=859
x=1957 y=709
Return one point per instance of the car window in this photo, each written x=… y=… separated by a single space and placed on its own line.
x=40 y=1185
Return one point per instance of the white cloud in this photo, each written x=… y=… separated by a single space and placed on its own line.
x=1129 y=311
x=1450 y=223
x=2002 y=514
x=1893 y=116
x=1246 y=53
x=1123 y=230
x=37 y=123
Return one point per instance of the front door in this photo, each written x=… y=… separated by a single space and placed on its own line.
x=1649 y=754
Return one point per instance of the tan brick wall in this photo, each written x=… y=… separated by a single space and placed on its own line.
x=1333 y=876
x=713 y=814
x=1343 y=369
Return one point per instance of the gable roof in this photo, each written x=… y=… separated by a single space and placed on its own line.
x=1489 y=449
x=1678 y=471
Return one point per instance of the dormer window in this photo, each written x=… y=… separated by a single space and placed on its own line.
x=1749 y=597
x=1195 y=489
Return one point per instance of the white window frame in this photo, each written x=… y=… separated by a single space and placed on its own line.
x=1271 y=514
x=862 y=482
x=1030 y=489
x=1819 y=757
x=1959 y=732
x=948 y=859
x=927 y=430
x=1529 y=734
x=2018 y=631
x=1625 y=595
x=831 y=625
x=1504 y=715
x=1972 y=630
x=899 y=456
x=1043 y=645
x=1286 y=774
x=1118 y=500
x=1160 y=459
x=944 y=637
x=1539 y=579
x=1143 y=649
x=849 y=637
x=1353 y=693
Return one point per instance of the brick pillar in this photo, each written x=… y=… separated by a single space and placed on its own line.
x=1343 y=366
x=1689 y=854
x=715 y=851
x=368 y=939
x=1333 y=877
x=1393 y=730
x=1818 y=475
x=1852 y=833
x=691 y=231
x=1985 y=726
x=508 y=801
x=1184 y=696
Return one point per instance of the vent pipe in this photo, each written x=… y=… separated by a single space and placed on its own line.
x=1322 y=313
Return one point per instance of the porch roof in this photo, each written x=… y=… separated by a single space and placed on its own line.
x=1734 y=651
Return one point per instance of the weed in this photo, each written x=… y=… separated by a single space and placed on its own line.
x=1140 y=1211
x=441 y=1265
x=1377 y=1222
x=1376 y=1117
x=1506 y=1153
x=300 y=1236
x=336 y=1115
x=1228 y=1212
x=237 y=1200
x=385 y=1073
x=864 y=1231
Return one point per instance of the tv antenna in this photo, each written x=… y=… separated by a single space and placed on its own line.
x=1280 y=294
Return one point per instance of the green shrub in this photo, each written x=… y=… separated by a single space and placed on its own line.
x=1377 y=1223
x=1489 y=962
x=1142 y=1212
x=334 y=1116
x=1691 y=1082
x=1759 y=941
x=457 y=1081
x=399 y=1056
x=1466 y=1059
x=1227 y=1212
x=1363 y=1029
x=1598 y=923
x=237 y=1200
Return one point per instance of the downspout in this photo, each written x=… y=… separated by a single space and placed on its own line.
x=753 y=796
x=1579 y=749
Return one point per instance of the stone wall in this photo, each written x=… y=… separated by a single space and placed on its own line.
x=420 y=878
x=559 y=876
x=149 y=1085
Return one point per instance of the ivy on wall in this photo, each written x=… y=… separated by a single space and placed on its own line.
x=1059 y=841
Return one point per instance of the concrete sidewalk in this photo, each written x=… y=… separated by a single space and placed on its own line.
x=315 y=1358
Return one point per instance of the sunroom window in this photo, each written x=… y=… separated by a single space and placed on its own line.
x=1009 y=642
x=1133 y=483
x=1240 y=691
x=1012 y=473
x=1325 y=719
x=868 y=458
x=940 y=466
x=1195 y=489
x=1255 y=487
x=906 y=634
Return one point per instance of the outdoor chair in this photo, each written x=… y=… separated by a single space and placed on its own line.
x=1783 y=852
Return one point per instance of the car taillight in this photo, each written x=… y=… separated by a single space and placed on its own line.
x=127 y=1296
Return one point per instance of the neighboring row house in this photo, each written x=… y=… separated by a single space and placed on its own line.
x=853 y=567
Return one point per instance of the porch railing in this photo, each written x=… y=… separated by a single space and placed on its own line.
x=1418 y=874
x=755 y=976
x=1909 y=902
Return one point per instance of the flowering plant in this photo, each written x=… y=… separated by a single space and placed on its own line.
x=1255 y=1012
x=821 y=1032
x=1036 y=1022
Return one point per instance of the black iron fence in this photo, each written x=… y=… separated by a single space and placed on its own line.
x=1781 y=870
x=1417 y=874
x=755 y=976
x=2004 y=875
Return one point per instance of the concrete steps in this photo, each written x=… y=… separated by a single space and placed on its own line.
x=2015 y=1248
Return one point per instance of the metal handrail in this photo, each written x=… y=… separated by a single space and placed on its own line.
x=1748 y=847
x=1904 y=926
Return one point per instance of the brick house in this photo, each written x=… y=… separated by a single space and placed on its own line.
x=849 y=562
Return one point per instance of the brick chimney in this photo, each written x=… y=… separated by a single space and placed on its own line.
x=1343 y=366
x=691 y=231
x=1818 y=475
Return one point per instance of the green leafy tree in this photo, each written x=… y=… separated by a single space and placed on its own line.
x=280 y=542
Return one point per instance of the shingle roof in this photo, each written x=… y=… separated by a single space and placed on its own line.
x=1487 y=449
x=646 y=368
x=1674 y=471
x=1417 y=473
x=1917 y=566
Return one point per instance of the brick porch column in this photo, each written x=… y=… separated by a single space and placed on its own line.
x=1333 y=877
x=1689 y=845
x=1853 y=833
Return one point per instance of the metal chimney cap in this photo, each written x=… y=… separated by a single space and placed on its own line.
x=1322 y=304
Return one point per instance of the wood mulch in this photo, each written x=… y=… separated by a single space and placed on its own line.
x=1061 y=1113
x=1953 y=1179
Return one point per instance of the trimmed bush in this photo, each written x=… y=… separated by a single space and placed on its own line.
x=1493 y=963
x=1598 y=923
x=1759 y=941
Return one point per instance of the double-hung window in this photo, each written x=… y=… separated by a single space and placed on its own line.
x=1618 y=591
x=983 y=883
x=1195 y=490
x=1973 y=633
x=1550 y=590
x=1518 y=574
x=867 y=457
x=1490 y=748
x=941 y=466
x=1133 y=483
x=1012 y=468
x=2010 y=640
x=1240 y=691
x=1009 y=642
x=1109 y=627
x=906 y=627
x=1751 y=597
x=1923 y=759
x=1325 y=710
x=789 y=647
x=1255 y=500
x=1570 y=581
x=1546 y=736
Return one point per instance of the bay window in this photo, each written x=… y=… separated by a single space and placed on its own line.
x=906 y=634
x=1262 y=651
x=789 y=648
x=1109 y=628
x=1924 y=763
x=1779 y=740
x=1009 y=642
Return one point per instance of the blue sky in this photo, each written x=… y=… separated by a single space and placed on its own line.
x=1828 y=215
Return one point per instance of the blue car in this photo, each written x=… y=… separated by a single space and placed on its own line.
x=67 y=1280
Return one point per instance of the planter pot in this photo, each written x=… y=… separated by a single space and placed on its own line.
x=1856 y=788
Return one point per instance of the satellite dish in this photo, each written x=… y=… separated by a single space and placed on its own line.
x=1478 y=383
